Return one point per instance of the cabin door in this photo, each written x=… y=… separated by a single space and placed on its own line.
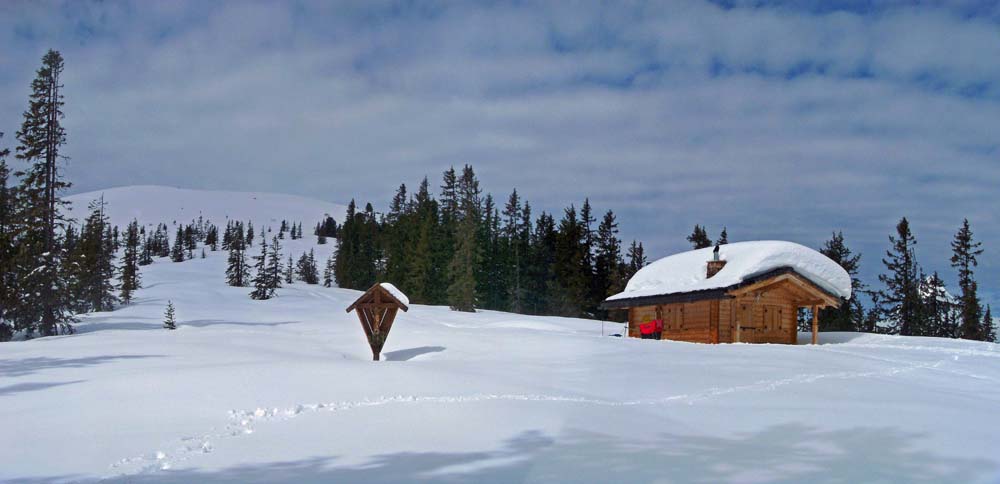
x=746 y=327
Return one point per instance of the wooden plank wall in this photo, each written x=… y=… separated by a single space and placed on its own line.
x=770 y=318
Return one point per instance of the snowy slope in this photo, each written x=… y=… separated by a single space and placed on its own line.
x=285 y=391
x=152 y=204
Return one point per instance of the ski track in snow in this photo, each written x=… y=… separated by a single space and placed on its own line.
x=242 y=423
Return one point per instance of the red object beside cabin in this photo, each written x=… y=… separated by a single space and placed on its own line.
x=647 y=328
x=659 y=325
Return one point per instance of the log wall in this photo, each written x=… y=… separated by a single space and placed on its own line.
x=763 y=317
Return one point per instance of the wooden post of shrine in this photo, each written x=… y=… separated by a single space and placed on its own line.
x=376 y=310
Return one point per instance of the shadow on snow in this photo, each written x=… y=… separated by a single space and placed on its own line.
x=28 y=366
x=411 y=353
x=788 y=453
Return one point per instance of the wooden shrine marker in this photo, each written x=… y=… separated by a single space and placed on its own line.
x=376 y=310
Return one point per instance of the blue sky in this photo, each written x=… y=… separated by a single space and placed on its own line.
x=779 y=120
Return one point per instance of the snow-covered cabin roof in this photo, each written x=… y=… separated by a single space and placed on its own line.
x=687 y=272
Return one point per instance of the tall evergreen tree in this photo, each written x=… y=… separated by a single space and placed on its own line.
x=518 y=243
x=262 y=275
x=965 y=250
x=306 y=268
x=699 y=238
x=274 y=266
x=849 y=315
x=7 y=281
x=423 y=273
x=989 y=329
x=93 y=257
x=190 y=240
x=542 y=267
x=901 y=295
x=7 y=233
x=250 y=234
x=237 y=269
x=568 y=290
x=608 y=271
x=636 y=260
x=466 y=257
x=290 y=270
x=723 y=237
x=938 y=308
x=129 y=277
x=328 y=271
x=177 y=251
x=43 y=293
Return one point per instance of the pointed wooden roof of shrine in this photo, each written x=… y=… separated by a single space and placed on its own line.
x=379 y=295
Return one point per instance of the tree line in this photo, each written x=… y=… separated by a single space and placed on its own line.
x=464 y=250
x=49 y=268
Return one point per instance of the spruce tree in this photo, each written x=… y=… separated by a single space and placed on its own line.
x=346 y=250
x=989 y=330
x=462 y=289
x=542 y=267
x=466 y=257
x=636 y=260
x=849 y=315
x=328 y=271
x=512 y=234
x=901 y=295
x=290 y=269
x=190 y=240
x=422 y=272
x=146 y=254
x=608 y=270
x=723 y=237
x=93 y=258
x=398 y=240
x=129 y=277
x=169 y=320
x=262 y=275
x=308 y=271
x=274 y=267
x=212 y=237
x=699 y=238
x=249 y=236
x=937 y=308
x=568 y=290
x=177 y=251
x=237 y=269
x=43 y=295
x=7 y=232
x=965 y=250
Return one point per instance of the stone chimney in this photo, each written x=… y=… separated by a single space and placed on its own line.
x=715 y=265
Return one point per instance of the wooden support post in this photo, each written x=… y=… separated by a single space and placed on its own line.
x=815 y=338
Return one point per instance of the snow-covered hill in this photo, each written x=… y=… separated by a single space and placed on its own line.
x=152 y=204
x=285 y=391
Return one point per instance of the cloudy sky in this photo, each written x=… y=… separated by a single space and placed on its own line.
x=784 y=120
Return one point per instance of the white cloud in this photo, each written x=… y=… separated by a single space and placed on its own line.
x=617 y=103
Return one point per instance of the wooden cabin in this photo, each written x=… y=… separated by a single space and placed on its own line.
x=756 y=302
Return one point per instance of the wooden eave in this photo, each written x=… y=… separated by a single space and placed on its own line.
x=820 y=297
